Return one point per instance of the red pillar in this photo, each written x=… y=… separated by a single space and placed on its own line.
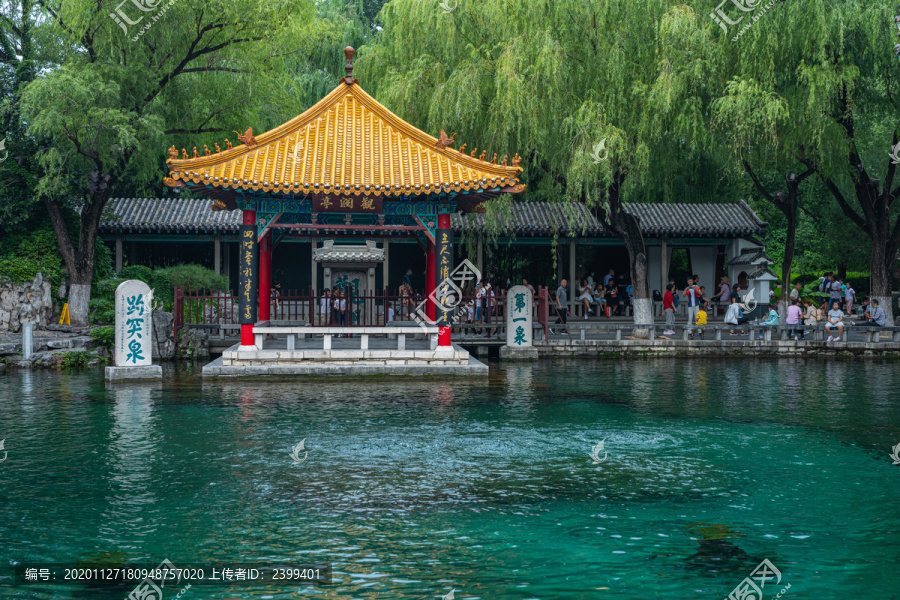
x=265 y=276
x=247 y=328
x=429 y=280
x=444 y=333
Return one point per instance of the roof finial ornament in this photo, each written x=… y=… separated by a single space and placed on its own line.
x=349 y=52
x=462 y=149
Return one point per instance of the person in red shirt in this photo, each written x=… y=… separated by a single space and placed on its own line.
x=669 y=309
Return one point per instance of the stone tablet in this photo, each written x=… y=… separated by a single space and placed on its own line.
x=133 y=324
x=519 y=302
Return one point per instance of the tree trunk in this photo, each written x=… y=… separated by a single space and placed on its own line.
x=627 y=228
x=880 y=277
x=80 y=262
x=788 y=261
x=788 y=203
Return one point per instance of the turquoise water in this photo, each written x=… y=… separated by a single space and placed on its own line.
x=417 y=487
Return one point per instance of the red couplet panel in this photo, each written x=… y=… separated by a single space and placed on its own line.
x=247 y=328
x=444 y=332
x=265 y=276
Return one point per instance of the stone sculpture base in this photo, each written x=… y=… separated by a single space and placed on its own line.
x=516 y=353
x=131 y=373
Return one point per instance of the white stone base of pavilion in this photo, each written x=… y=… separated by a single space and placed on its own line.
x=331 y=351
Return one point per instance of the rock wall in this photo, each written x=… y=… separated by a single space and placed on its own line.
x=24 y=303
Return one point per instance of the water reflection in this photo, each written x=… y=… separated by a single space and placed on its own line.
x=132 y=451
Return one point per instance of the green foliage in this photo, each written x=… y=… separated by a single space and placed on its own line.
x=191 y=277
x=638 y=76
x=76 y=360
x=103 y=300
x=139 y=272
x=105 y=337
x=24 y=255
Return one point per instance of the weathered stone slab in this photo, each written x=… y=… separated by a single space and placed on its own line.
x=133 y=373
x=519 y=325
x=133 y=324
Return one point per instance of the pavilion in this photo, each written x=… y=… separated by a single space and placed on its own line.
x=345 y=164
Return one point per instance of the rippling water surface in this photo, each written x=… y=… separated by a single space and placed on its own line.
x=415 y=487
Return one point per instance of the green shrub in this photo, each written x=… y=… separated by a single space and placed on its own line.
x=76 y=360
x=24 y=255
x=105 y=337
x=192 y=277
x=139 y=272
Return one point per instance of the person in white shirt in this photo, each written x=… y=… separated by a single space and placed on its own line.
x=325 y=308
x=850 y=297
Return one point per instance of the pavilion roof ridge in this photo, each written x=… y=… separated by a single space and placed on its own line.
x=347 y=143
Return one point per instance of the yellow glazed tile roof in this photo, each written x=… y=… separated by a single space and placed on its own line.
x=347 y=144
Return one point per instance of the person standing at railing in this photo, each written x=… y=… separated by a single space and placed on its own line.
x=794 y=313
x=669 y=310
x=406 y=303
x=325 y=308
x=562 y=300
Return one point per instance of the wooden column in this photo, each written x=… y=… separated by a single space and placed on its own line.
x=226 y=259
x=664 y=265
x=315 y=267
x=429 y=280
x=119 y=258
x=217 y=254
x=573 y=284
x=265 y=276
x=385 y=270
x=480 y=257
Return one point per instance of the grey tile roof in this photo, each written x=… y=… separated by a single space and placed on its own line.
x=538 y=218
x=750 y=256
x=167 y=214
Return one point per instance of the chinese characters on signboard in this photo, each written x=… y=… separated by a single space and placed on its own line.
x=443 y=256
x=519 y=303
x=347 y=204
x=248 y=281
x=133 y=319
x=447 y=296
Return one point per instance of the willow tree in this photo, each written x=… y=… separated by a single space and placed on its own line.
x=606 y=103
x=137 y=77
x=813 y=92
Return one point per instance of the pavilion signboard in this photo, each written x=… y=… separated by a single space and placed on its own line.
x=443 y=256
x=347 y=204
x=248 y=257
